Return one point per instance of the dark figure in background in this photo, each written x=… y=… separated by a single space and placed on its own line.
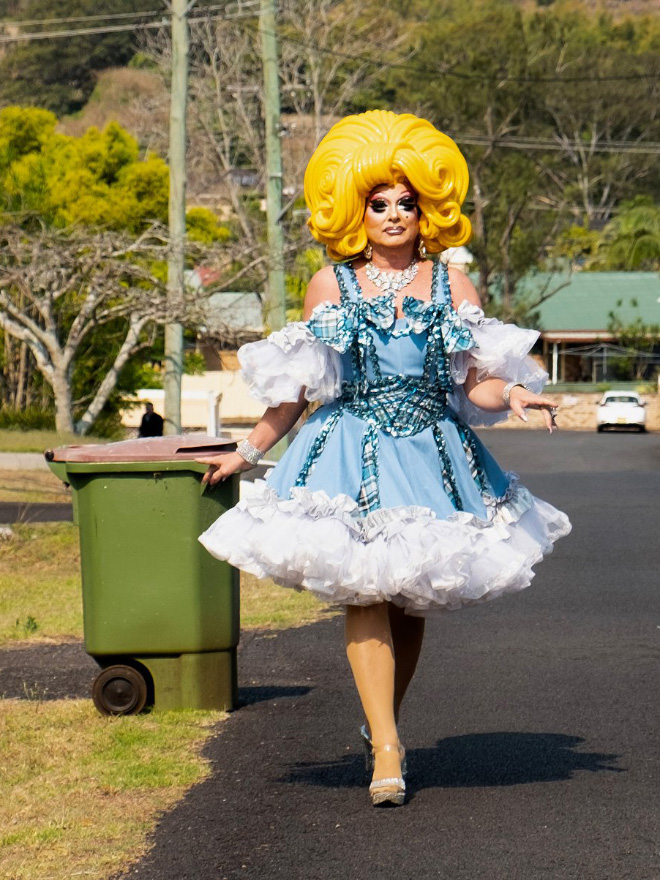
x=151 y=424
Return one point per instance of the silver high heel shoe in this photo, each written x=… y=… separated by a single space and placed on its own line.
x=368 y=749
x=392 y=789
x=369 y=753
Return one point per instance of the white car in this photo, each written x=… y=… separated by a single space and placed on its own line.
x=621 y=409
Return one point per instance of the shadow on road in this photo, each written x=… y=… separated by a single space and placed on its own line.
x=480 y=760
x=249 y=695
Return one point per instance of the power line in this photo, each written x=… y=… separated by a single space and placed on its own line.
x=80 y=18
x=427 y=71
x=547 y=144
x=110 y=16
x=79 y=32
x=244 y=10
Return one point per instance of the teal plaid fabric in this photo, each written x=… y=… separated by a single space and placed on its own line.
x=369 y=498
x=397 y=405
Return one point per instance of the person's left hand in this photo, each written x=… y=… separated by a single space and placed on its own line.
x=521 y=399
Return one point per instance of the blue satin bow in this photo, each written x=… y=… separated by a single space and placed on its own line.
x=422 y=314
x=338 y=325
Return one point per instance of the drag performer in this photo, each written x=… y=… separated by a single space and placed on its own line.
x=386 y=502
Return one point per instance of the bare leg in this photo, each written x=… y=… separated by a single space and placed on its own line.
x=407 y=636
x=371 y=656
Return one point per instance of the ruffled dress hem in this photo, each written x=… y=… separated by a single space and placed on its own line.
x=404 y=555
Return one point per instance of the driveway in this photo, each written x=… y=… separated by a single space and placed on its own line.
x=531 y=728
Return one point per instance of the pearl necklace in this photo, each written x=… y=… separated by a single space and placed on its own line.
x=391 y=282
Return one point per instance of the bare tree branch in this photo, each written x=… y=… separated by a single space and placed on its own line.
x=56 y=287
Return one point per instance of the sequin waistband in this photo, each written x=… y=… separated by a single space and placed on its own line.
x=398 y=405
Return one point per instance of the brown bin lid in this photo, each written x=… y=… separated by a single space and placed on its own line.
x=172 y=448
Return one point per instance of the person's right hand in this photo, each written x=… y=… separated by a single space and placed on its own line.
x=223 y=466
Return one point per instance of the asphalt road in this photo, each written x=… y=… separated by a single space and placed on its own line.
x=532 y=727
x=29 y=512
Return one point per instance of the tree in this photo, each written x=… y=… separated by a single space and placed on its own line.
x=640 y=337
x=319 y=77
x=575 y=247
x=226 y=111
x=306 y=264
x=528 y=100
x=98 y=180
x=59 y=74
x=604 y=67
x=81 y=269
x=480 y=96
x=10 y=8
x=631 y=241
x=57 y=287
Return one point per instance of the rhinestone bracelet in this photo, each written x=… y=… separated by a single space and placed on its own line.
x=506 y=391
x=249 y=452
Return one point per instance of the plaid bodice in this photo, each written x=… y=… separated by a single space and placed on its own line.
x=362 y=329
x=366 y=332
x=398 y=405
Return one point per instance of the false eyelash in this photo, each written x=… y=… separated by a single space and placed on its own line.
x=380 y=205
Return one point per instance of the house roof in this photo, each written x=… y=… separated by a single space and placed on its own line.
x=584 y=304
x=230 y=310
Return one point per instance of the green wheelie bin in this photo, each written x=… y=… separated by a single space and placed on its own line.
x=161 y=615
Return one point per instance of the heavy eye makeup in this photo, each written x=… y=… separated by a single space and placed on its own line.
x=407 y=204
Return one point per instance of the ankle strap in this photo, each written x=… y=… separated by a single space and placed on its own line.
x=390 y=782
x=388 y=747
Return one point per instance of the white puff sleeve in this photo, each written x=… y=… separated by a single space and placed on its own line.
x=278 y=367
x=501 y=350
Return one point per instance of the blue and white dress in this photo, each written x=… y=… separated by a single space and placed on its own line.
x=386 y=494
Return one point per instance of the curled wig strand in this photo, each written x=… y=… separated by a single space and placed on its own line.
x=380 y=147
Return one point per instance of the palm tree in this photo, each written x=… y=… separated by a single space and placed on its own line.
x=631 y=241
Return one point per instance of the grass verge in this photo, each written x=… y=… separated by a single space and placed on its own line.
x=265 y=605
x=38 y=441
x=79 y=793
x=40 y=595
x=30 y=486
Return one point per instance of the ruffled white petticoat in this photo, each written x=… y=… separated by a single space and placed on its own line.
x=502 y=350
x=406 y=555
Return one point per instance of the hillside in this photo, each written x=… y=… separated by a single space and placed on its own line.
x=139 y=101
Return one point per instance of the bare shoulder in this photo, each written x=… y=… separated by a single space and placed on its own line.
x=322 y=288
x=462 y=289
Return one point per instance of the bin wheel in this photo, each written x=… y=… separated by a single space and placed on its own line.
x=119 y=690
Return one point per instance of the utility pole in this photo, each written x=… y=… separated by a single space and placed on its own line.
x=177 y=211
x=276 y=308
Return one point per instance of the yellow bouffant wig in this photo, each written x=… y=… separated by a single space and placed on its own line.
x=380 y=147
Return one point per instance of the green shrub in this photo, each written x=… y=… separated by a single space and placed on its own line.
x=108 y=426
x=33 y=418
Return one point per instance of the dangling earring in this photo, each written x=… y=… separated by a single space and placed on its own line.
x=421 y=247
x=368 y=252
